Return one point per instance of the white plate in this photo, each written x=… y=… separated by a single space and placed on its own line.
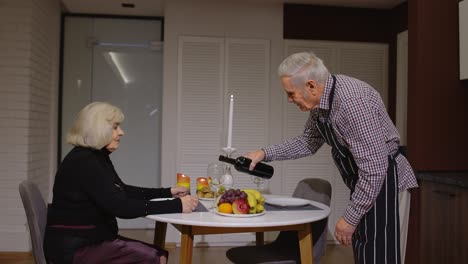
x=161 y=199
x=205 y=199
x=241 y=215
x=286 y=201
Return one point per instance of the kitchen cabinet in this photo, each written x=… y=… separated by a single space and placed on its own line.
x=443 y=229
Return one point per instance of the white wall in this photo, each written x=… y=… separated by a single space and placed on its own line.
x=29 y=52
x=215 y=19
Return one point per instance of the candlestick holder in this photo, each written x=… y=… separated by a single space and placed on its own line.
x=228 y=179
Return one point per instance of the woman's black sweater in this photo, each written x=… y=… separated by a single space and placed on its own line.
x=89 y=193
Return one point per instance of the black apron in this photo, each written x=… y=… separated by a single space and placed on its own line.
x=377 y=236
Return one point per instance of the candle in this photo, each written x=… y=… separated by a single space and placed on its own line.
x=231 y=107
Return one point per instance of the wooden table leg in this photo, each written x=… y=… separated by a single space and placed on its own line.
x=305 y=244
x=160 y=229
x=259 y=238
x=186 y=247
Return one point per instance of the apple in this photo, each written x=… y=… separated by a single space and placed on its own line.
x=240 y=206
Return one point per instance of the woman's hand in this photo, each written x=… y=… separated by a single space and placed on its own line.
x=189 y=203
x=256 y=157
x=179 y=191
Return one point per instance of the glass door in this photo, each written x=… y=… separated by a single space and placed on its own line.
x=130 y=78
x=118 y=61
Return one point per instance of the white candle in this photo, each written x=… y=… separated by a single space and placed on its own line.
x=231 y=107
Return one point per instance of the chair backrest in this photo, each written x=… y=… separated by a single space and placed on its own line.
x=285 y=249
x=36 y=213
x=314 y=189
x=318 y=190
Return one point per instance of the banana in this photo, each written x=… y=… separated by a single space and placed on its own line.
x=258 y=196
x=256 y=201
x=261 y=201
x=260 y=208
x=251 y=199
x=256 y=193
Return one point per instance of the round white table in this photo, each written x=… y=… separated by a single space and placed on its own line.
x=203 y=223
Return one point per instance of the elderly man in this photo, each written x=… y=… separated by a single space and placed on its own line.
x=349 y=115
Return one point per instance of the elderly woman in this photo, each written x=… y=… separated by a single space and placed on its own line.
x=89 y=195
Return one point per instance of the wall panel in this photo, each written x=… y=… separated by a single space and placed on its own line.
x=29 y=48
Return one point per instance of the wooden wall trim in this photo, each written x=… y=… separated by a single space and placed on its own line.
x=336 y=23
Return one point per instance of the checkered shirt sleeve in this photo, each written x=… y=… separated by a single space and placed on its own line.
x=303 y=145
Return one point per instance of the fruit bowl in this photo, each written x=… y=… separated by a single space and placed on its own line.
x=241 y=215
x=240 y=203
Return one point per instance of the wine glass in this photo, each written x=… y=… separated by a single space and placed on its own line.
x=215 y=171
x=259 y=181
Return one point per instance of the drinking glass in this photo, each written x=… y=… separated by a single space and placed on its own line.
x=259 y=181
x=216 y=171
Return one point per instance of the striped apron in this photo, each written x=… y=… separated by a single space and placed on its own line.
x=376 y=239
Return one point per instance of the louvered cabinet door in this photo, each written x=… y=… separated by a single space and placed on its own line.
x=210 y=70
x=247 y=78
x=367 y=62
x=200 y=104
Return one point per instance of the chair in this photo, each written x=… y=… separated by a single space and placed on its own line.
x=285 y=249
x=36 y=213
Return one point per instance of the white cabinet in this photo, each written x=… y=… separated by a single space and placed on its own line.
x=209 y=70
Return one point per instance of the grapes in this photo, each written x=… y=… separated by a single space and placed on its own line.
x=231 y=195
x=243 y=195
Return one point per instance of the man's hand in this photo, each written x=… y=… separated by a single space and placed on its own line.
x=344 y=232
x=179 y=191
x=256 y=157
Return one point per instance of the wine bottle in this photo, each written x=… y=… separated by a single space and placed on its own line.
x=242 y=164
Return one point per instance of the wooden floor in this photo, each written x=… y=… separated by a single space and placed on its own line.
x=215 y=255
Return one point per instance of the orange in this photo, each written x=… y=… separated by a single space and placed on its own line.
x=225 y=208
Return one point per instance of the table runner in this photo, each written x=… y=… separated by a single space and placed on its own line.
x=269 y=207
x=200 y=208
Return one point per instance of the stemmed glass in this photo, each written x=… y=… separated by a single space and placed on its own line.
x=259 y=181
x=216 y=171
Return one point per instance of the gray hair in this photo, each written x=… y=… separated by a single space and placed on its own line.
x=303 y=66
x=94 y=125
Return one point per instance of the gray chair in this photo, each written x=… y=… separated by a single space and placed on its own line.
x=36 y=213
x=285 y=249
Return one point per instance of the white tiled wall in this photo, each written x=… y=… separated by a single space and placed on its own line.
x=29 y=62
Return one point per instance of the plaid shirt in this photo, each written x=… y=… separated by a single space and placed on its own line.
x=362 y=125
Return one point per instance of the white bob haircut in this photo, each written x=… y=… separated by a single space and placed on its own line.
x=303 y=66
x=94 y=125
